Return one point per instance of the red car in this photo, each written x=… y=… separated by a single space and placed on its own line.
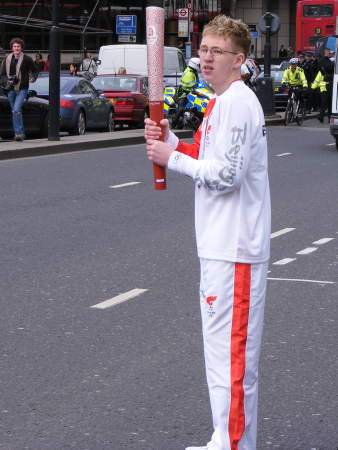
x=128 y=94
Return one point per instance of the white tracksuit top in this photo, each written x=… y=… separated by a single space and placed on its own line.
x=232 y=197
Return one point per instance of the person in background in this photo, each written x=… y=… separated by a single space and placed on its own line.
x=326 y=67
x=290 y=52
x=320 y=83
x=73 y=70
x=16 y=72
x=39 y=62
x=188 y=80
x=294 y=77
x=47 y=64
x=301 y=60
x=283 y=53
x=122 y=71
x=310 y=68
x=88 y=64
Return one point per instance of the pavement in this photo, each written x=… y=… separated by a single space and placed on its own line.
x=39 y=147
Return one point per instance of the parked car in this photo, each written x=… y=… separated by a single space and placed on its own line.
x=82 y=107
x=35 y=116
x=128 y=94
x=281 y=92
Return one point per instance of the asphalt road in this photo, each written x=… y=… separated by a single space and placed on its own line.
x=131 y=376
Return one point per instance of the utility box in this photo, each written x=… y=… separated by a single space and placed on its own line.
x=265 y=94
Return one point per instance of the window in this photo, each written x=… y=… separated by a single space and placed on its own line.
x=318 y=10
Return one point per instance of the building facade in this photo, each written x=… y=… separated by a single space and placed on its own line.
x=30 y=19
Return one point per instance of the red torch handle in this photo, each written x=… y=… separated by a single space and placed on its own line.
x=156 y=114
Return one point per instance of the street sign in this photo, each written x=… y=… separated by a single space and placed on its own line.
x=183 y=28
x=126 y=24
x=126 y=38
x=183 y=13
x=189 y=5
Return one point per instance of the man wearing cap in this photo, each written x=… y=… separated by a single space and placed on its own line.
x=326 y=66
x=301 y=60
x=310 y=68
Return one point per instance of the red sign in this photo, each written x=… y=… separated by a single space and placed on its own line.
x=189 y=5
x=183 y=13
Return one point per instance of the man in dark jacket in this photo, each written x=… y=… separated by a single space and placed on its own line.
x=310 y=68
x=326 y=66
x=17 y=71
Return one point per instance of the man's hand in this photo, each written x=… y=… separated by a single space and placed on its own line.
x=153 y=132
x=159 y=152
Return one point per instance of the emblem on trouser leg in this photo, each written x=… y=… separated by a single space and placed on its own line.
x=210 y=302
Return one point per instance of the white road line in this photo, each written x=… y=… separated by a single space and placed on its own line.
x=304 y=281
x=280 y=232
x=332 y=143
x=131 y=183
x=119 y=299
x=307 y=250
x=284 y=261
x=322 y=241
x=284 y=154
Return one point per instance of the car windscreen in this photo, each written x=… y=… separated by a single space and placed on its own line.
x=115 y=83
x=41 y=85
x=277 y=75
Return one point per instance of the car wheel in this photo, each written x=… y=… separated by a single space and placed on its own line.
x=110 y=123
x=80 y=125
x=44 y=130
x=140 y=124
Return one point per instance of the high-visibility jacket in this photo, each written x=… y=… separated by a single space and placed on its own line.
x=319 y=82
x=189 y=79
x=294 y=78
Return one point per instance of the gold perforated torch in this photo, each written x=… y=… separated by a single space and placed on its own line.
x=155 y=43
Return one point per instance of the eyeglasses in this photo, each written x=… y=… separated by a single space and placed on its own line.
x=214 y=51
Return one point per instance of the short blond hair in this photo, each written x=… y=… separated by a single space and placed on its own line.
x=234 y=29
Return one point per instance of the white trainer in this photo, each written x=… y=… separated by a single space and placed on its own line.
x=196 y=448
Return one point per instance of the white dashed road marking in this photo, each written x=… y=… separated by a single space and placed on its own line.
x=332 y=143
x=119 y=299
x=280 y=232
x=284 y=261
x=284 y=154
x=131 y=183
x=322 y=241
x=307 y=250
x=301 y=280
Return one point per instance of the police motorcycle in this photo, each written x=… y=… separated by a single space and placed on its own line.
x=189 y=116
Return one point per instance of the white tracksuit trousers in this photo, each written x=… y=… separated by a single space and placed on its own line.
x=232 y=299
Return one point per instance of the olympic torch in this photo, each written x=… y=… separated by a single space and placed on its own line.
x=155 y=42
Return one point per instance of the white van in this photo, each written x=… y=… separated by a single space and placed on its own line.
x=134 y=58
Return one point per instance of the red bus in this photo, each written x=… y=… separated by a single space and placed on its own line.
x=314 y=19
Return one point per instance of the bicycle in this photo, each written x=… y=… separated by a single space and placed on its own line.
x=295 y=108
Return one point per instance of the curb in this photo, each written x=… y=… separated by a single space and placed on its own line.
x=55 y=147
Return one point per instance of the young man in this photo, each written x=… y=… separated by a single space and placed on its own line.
x=17 y=71
x=228 y=163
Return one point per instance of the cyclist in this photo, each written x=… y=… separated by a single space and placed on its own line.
x=294 y=77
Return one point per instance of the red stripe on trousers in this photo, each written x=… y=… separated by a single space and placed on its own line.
x=239 y=331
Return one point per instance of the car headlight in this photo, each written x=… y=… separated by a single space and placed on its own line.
x=333 y=121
